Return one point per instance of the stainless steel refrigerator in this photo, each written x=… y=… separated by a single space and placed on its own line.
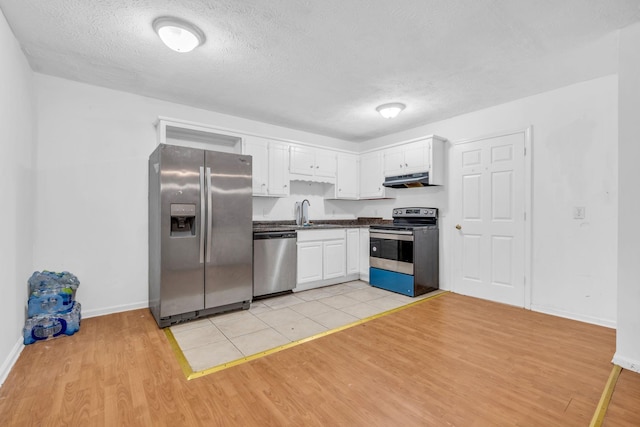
x=200 y=233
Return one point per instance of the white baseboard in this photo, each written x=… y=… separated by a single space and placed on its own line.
x=114 y=309
x=574 y=316
x=626 y=363
x=326 y=282
x=11 y=360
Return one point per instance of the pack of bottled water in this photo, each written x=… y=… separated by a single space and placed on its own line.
x=41 y=280
x=52 y=309
x=45 y=326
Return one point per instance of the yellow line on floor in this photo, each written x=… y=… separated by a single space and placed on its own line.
x=191 y=374
x=603 y=404
x=182 y=361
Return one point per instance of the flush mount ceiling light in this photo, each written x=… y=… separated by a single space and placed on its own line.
x=178 y=34
x=389 y=111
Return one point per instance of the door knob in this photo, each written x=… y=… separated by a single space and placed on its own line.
x=458 y=227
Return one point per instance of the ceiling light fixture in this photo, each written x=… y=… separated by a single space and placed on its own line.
x=389 y=111
x=178 y=34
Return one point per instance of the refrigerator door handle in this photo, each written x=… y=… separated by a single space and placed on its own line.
x=209 y=215
x=202 y=213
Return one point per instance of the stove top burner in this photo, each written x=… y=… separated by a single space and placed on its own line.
x=410 y=219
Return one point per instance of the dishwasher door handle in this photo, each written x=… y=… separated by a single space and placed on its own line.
x=274 y=235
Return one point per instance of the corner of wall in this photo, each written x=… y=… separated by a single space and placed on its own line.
x=626 y=363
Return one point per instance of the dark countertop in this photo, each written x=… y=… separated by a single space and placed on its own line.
x=315 y=225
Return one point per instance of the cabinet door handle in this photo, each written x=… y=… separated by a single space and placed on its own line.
x=317 y=167
x=458 y=227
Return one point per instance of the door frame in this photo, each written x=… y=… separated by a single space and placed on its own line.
x=528 y=218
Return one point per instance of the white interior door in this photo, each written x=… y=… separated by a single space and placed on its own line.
x=489 y=216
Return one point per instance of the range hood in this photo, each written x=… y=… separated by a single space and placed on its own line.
x=408 y=181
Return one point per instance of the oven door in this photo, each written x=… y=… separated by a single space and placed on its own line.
x=391 y=250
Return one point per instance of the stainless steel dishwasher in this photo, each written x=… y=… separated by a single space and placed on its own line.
x=274 y=262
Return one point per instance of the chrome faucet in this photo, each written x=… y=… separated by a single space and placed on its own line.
x=298 y=213
x=304 y=212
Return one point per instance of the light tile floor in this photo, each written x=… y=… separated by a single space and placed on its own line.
x=277 y=321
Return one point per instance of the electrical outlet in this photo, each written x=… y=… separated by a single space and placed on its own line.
x=578 y=212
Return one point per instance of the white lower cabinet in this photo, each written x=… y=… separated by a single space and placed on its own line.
x=364 y=254
x=333 y=259
x=353 y=251
x=324 y=257
x=309 y=261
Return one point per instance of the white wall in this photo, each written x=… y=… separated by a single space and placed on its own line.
x=628 y=333
x=17 y=146
x=575 y=160
x=91 y=212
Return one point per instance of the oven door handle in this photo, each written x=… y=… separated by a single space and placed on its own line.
x=393 y=235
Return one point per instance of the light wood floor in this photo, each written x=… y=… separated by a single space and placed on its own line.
x=624 y=409
x=452 y=360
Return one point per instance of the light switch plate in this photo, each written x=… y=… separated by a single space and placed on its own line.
x=578 y=212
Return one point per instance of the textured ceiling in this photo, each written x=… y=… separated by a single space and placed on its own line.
x=323 y=66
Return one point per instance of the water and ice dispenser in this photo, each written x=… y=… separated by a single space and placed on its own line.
x=183 y=220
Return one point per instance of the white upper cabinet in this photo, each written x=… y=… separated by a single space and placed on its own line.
x=276 y=162
x=372 y=176
x=312 y=164
x=278 y=169
x=198 y=135
x=270 y=166
x=424 y=155
x=258 y=149
x=347 y=178
x=407 y=158
x=393 y=161
x=302 y=160
x=416 y=156
x=326 y=163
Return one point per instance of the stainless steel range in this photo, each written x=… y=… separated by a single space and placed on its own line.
x=403 y=256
